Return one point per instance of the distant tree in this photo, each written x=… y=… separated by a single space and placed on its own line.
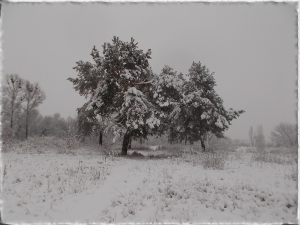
x=54 y=126
x=34 y=123
x=285 y=134
x=259 y=138
x=34 y=96
x=251 y=136
x=13 y=92
x=46 y=126
x=72 y=124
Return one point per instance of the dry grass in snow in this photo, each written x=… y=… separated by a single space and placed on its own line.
x=194 y=188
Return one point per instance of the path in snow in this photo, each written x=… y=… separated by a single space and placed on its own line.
x=85 y=207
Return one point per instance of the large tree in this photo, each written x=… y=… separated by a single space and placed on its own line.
x=119 y=89
x=200 y=109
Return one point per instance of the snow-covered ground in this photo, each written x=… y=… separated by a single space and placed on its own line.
x=85 y=188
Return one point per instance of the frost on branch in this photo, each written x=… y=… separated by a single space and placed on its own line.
x=167 y=87
x=219 y=123
x=137 y=112
x=153 y=121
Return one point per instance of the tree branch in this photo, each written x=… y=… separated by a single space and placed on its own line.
x=143 y=83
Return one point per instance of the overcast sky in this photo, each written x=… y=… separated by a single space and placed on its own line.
x=252 y=48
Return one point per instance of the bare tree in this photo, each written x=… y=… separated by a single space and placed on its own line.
x=34 y=96
x=259 y=138
x=13 y=92
x=285 y=134
x=251 y=134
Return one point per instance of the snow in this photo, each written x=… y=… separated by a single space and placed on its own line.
x=87 y=187
x=152 y=121
x=154 y=147
x=204 y=115
x=127 y=74
x=219 y=123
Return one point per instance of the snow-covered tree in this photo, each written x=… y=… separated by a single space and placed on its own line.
x=201 y=109
x=122 y=87
x=118 y=87
x=167 y=92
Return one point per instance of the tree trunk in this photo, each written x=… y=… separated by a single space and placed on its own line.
x=17 y=135
x=141 y=142
x=202 y=143
x=171 y=135
x=100 y=138
x=12 y=121
x=125 y=143
x=207 y=140
x=26 y=128
x=129 y=144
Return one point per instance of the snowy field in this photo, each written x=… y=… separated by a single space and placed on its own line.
x=86 y=186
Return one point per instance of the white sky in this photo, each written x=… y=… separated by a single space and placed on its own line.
x=252 y=48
